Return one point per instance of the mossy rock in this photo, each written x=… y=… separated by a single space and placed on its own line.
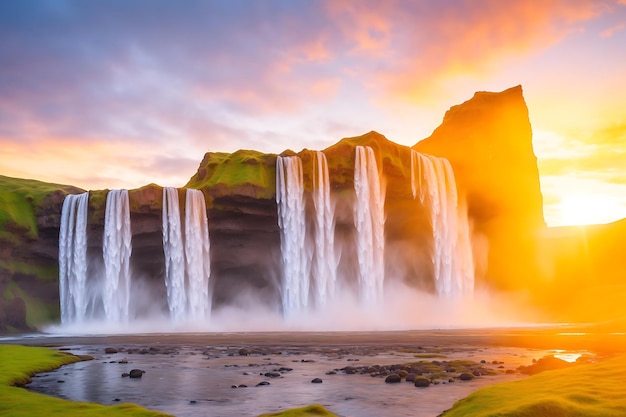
x=314 y=410
x=20 y=202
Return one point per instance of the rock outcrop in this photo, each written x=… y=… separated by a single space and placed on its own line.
x=488 y=141
x=30 y=216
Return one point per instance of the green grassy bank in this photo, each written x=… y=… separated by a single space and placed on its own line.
x=19 y=363
x=594 y=390
x=314 y=410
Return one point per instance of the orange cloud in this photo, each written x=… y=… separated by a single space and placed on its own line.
x=426 y=44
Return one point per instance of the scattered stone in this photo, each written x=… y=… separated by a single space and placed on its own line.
x=193 y=402
x=116 y=399
x=546 y=363
x=262 y=383
x=307 y=361
x=272 y=375
x=60 y=381
x=247 y=373
x=410 y=378
x=123 y=361
x=285 y=369
x=421 y=382
x=242 y=386
x=233 y=386
x=125 y=374
x=393 y=378
x=331 y=373
x=483 y=361
x=509 y=372
x=465 y=376
x=476 y=372
x=110 y=350
x=316 y=381
x=136 y=373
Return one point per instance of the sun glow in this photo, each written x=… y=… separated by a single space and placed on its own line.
x=582 y=209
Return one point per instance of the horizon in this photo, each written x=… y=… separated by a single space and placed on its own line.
x=132 y=93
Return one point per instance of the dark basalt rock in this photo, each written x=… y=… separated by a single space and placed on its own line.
x=466 y=376
x=421 y=382
x=393 y=378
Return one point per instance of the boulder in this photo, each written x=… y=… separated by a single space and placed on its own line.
x=393 y=378
x=421 y=382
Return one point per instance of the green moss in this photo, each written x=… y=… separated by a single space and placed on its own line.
x=586 y=390
x=251 y=171
x=394 y=159
x=429 y=355
x=38 y=312
x=49 y=272
x=19 y=199
x=19 y=363
x=309 y=411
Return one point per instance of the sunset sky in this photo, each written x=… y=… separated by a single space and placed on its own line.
x=119 y=94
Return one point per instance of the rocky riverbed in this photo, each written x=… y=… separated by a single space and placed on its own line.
x=352 y=374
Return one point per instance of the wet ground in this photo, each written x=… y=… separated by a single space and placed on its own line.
x=194 y=374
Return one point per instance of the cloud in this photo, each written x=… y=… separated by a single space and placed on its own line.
x=423 y=44
x=127 y=80
x=607 y=33
x=600 y=156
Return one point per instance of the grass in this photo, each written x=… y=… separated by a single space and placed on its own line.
x=19 y=199
x=19 y=363
x=242 y=168
x=592 y=390
x=308 y=411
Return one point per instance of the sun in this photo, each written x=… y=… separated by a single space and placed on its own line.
x=582 y=209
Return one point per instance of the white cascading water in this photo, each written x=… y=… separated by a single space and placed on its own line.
x=291 y=220
x=432 y=178
x=198 y=262
x=369 y=220
x=324 y=259
x=173 y=249
x=73 y=258
x=116 y=250
x=187 y=257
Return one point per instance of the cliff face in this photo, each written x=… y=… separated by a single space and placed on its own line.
x=30 y=216
x=488 y=141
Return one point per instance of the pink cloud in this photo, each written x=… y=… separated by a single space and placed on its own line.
x=607 y=33
x=422 y=44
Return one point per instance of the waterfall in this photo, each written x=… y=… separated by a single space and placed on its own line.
x=187 y=261
x=452 y=252
x=369 y=220
x=116 y=250
x=174 y=255
x=291 y=220
x=198 y=265
x=324 y=259
x=73 y=258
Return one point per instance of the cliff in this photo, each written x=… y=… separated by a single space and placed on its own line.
x=488 y=141
x=30 y=215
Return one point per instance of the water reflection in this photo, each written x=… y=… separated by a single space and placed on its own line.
x=193 y=381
